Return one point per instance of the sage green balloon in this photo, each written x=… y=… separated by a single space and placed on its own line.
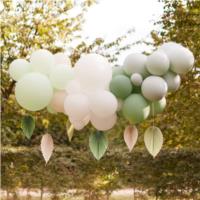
x=135 y=108
x=33 y=91
x=157 y=106
x=117 y=70
x=121 y=86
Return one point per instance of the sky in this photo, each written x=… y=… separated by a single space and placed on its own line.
x=111 y=18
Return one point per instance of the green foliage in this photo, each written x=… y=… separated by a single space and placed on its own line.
x=98 y=144
x=28 y=126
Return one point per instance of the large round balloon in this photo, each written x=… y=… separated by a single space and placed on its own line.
x=93 y=71
x=18 y=68
x=117 y=70
x=103 y=124
x=157 y=63
x=154 y=88
x=62 y=58
x=33 y=91
x=79 y=124
x=77 y=106
x=103 y=103
x=173 y=81
x=135 y=108
x=42 y=61
x=121 y=86
x=157 y=106
x=135 y=63
x=60 y=76
x=181 y=58
x=57 y=102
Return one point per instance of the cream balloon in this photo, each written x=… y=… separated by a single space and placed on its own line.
x=57 y=102
x=18 y=68
x=33 y=91
x=93 y=71
x=77 y=106
x=73 y=87
x=154 y=88
x=157 y=63
x=42 y=61
x=103 y=124
x=136 y=79
x=62 y=58
x=60 y=76
x=103 y=103
x=135 y=63
x=173 y=81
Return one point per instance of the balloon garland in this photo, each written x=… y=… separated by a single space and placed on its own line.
x=94 y=91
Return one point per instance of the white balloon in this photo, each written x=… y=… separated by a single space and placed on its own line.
x=135 y=63
x=77 y=106
x=33 y=91
x=73 y=87
x=169 y=46
x=62 y=58
x=173 y=81
x=154 y=88
x=60 y=76
x=136 y=79
x=42 y=61
x=18 y=68
x=157 y=63
x=93 y=71
x=181 y=58
x=103 y=103
x=103 y=124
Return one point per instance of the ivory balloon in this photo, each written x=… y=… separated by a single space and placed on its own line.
x=62 y=58
x=60 y=76
x=103 y=103
x=103 y=124
x=73 y=87
x=157 y=106
x=42 y=61
x=57 y=102
x=18 y=68
x=173 y=81
x=77 y=106
x=157 y=63
x=135 y=63
x=154 y=88
x=181 y=58
x=135 y=108
x=93 y=71
x=33 y=91
x=136 y=79
x=121 y=86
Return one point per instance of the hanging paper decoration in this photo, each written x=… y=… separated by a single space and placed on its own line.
x=47 y=146
x=28 y=126
x=93 y=91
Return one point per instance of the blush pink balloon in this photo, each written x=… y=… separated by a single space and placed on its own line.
x=57 y=102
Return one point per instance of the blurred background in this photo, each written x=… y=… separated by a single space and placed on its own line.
x=113 y=29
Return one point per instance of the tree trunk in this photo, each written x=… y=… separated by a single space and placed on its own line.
x=41 y=190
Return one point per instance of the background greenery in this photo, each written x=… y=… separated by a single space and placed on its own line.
x=175 y=173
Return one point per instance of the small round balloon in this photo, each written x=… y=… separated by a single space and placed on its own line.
x=135 y=63
x=57 y=101
x=77 y=106
x=103 y=124
x=173 y=81
x=33 y=91
x=157 y=106
x=135 y=108
x=154 y=88
x=121 y=86
x=42 y=61
x=103 y=103
x=18 y=68
x=157 y=63
x=60 y=76
x=136 y=79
